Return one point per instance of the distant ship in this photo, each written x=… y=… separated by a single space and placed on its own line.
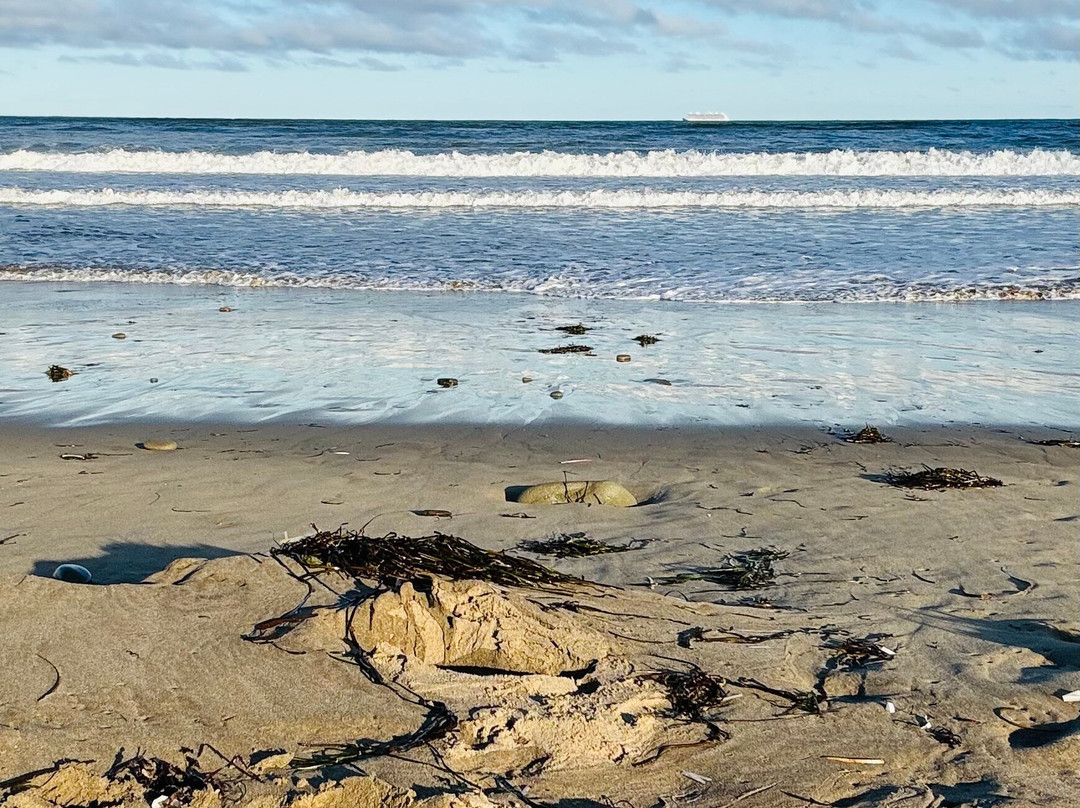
x=706 y=117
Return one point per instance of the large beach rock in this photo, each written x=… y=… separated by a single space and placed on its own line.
x=472 y=624
x=597 y=492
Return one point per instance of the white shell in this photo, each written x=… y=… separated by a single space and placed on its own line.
x=1073 y=696
x=72 y=574
x=890 y=708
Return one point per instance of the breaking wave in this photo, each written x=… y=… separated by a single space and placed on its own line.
x=343 y=199
x=565 y=286
x=662 y=163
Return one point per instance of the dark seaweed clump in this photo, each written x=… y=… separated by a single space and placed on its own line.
x=576 y=545
x=868 y=434
x=567 y=349
x=940 y=478
x=573 y=330
x=392 y=558
x=752 y=569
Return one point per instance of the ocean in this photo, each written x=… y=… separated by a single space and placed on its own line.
x=821 y=272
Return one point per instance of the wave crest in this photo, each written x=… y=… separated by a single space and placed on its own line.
x=661 y=163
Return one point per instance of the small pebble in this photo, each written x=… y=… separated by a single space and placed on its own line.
x=72 y=574
x=153 y=380
x=556 y=393
x=159 y=445
x=623 y=357
x=119 y=335
x=225 y=309
x=447 y=382
x=526 y=379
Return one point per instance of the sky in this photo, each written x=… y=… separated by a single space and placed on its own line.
x=541 y=59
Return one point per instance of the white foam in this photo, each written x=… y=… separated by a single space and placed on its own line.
x=342 y=199
x=661 y=163
x=566 y=286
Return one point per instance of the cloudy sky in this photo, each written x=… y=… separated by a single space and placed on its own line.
x=561 y=59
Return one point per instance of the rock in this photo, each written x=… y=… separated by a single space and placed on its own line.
x=526 y=379
x=473 y=624
x=447 y=382
x=664 y=382
x=598 y=492
x=225 y=309
x=72 y=574
x=119 y=335
x=153 y=380
x=59 y=374
x=158 y=445
x=556 y=394
x=623 y=357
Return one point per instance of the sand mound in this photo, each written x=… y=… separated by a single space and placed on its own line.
x=470 y=624
x=598 y=492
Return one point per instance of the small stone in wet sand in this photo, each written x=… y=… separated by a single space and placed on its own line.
x=447 y=382
x=623 y=357
x=664 y=382
x=59 y=374
x=158 y=445
x=556 y=393
x=645 y=339
x=526 y=379
x=225 y=309
x=119 y=335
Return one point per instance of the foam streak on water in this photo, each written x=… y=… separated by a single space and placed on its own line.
x=662 y=163
x=343 y=199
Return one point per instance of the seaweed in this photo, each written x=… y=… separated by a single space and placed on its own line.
x=693 y=695
x=1071 y=444
x=937 y=479
x=391 y=558
x=752 y=569
x=851 y=653
x=646 y=339
x=868 y=434
x=57 y=373
x=573 y=330
x=576 y=545
x=813 y=701
x=567 y=349
x=946 y=736
x=159 y=778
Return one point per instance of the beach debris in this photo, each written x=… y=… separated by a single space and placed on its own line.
x=179 y=786
x=1071 y=696
x=567 y=349
x=936 y=479
x=158 y=445
x=854 y=760
x=153 y=380
x=57 y=373
x=646 y=339
x=556 y=394
x=526 y=379
x=590 y=492
x=518 y=515
x=868 y=434
x=942 y=735
x=813 y=701
x=119 y=335
x=1020 y=585
x=697 y=778
x=890 y=707
x=623 y=357
x=1071 y=444
x=698 y=634
x=573 y=330
x=447 y=382
x=84 y=456
x=434 y=512
x=576 y=545
x=663 y=382
x=226 y=309
x=752 y=569
x=575 y=461
x=694 y=695
x=851 y=653
x=72 y=574
x=392 y=558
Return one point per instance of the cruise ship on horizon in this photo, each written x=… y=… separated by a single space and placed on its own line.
x=706 y=117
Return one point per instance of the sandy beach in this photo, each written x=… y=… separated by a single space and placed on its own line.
x=971 y=593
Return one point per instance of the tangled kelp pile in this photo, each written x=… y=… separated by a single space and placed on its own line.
x=868 y=434
x=751 y=569
x=567 y=349
x=937 y=479
x=576 y=545
x=574 y=330
x=392 y=558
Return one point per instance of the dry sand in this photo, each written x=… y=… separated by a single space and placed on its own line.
x=975 y=591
